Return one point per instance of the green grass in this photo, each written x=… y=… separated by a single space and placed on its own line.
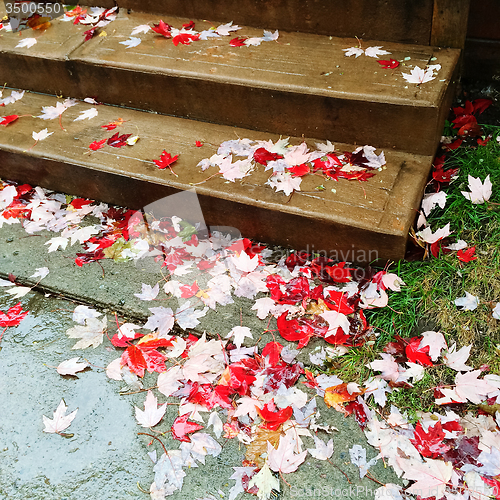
x=432 y=285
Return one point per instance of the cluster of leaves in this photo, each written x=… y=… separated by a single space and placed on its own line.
x=97 y=18
x=187 y=34
x=289 y=164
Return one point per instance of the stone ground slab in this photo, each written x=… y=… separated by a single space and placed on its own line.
x=103 y=457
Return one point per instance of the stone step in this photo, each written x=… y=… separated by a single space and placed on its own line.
x=348 y=220
x=403 y=21
x=299 y=84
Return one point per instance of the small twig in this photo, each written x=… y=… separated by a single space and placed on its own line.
x=338 y=468
x=154 y=437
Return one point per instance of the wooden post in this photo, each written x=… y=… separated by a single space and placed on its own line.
x=449 y=23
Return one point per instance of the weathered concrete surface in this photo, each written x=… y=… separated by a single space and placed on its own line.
x=105 y=458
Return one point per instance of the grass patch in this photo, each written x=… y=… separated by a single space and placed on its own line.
x=427 y=300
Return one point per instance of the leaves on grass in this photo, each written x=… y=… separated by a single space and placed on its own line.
x=480 y=192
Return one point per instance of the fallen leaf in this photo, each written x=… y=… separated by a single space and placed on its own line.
x=151 y=414
x=91 y=334
x=479 y=191
x=60 y=420
x=418 y=75
x=468 y=303
x=181 y=428
x=71 y=366
x=13 y=316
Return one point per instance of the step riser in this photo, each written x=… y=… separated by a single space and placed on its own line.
x=359 y=122
x=327 y=238
x=406 y=21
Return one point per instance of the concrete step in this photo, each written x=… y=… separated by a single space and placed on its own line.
x=404 y=21
x=347 y=220
x=300 y=84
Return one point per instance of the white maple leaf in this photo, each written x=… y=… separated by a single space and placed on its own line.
x=496 y=311
x=81 y=313
x=387 y=365
x=239 y=332
x=162 y=319
x=459 y=245
x=151 y=414
x=335 y=320
x=210 y=33
x=456 y=359
x=375 y=52
x=418 y=75
x=87 y=114
x=429 y=237
x=358 y=457
x=127 y=330
x=245 y=263
x=169 y=381
x=431 y=200
x=468 y=303
x=57 y=242
x=60 y=420
x=41 y=272
x=14 y=96
x=187 y=317
x=353 y=51
x=322 y=451
x=253 y=41
x=436 y=343
x=71 y=366
x=479 y=191
x=40 y=136
x=131 y=42
x=148 y=292
x=431 y=477
x=27 y=42
x=263 y=307
x=469 y=386
x=18 y=291
x=225 y=29
x=283 y=459
x=283 y=181
x=91 y=334
x=265 y=481
x=216 y=422
x=269 y=36
x=143 y=28
x=51 y=112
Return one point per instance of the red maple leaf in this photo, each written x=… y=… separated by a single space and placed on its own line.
x=481 y=104
x=338 y=273
x=299 y=170
x=13 y=316
x=262 y=156
x=134 y=358
x=273 y=419
x=6 y=120
x=416 y=354
x=483 y=142
x=124 y=341
x=189 y=291
x=117 y=140
x=198 y=144
x=162 y=29
x=453 y=145
x=89 y=33
x=189 y=26
x=166 y=160
x=430 y=444
x=78 y=203
x=444 y=176
x=390 y=64
x=97 y=145
x=467 y=255
x=237 y=42
x=113 y=125
x=181 y=428
x=301 y=329
x=185 y=38
x=273 y=350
